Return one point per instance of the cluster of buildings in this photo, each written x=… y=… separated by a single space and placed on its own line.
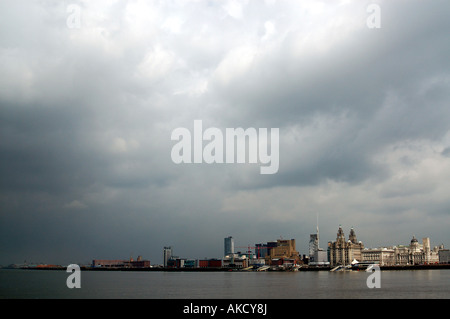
x=283 y=254
x=172 y=261
x=121 y=263
x=345 y=252
x=279 y=253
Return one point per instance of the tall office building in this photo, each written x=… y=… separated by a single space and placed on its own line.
x=317 y=256
x=167 y=255
x=313 y=244
x=228 y=246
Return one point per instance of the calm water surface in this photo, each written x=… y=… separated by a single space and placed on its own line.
x=31 y=284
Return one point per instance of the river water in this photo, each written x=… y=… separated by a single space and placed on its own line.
x=35 y=284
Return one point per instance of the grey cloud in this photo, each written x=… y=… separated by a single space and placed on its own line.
x=446 y=152
x=87 y=114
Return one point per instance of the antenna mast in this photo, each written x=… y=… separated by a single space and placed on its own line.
x=318 y=242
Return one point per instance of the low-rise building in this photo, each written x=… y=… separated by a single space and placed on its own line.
x=235 y=261
x=382 y=256
x=107 y=263
x=177 y=262
x=121 y=263
x=319 y=258
x=258 y=262
x=191 y=263
x=210 y=263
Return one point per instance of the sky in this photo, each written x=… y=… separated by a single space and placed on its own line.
x=91 y=91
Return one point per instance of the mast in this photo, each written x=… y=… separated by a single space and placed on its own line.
x=318 y=238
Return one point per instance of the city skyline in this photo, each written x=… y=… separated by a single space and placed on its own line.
x=230 y=248
x=91 y=93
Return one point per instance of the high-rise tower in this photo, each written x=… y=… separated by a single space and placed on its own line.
x=317 y=256
x=228 y=246
x=313 y=244
x=314 y=240
x=167 y=254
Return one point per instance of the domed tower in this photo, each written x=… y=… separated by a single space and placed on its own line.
x=414 y=246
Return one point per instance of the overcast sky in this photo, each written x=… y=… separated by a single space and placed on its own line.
x=91 y=91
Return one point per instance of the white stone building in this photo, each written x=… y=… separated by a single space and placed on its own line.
x=412 y=254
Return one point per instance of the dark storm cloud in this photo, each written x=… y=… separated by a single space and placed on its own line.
x=87 y=115
x=377 y=80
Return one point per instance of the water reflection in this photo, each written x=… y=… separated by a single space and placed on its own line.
x=225 y=285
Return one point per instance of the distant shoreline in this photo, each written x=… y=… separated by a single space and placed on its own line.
x=160 y=269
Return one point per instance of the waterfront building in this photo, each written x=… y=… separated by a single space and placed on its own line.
x=383 y=256
x=191 y=263
x=121 y=263
x=228 y=246
x=261 y=250
x=108 y=263
x=412 y=254
x=258 y=262
x=137 y=264
x=444 y=256
x=210 y=263
x=284 y=250
x=167 y=255
x=313 y=244
x=343 y=252
x=235 y=261
x=270 y=246
x=314 y=241
x=177 y=262
x=317 y=256
x=415 y=253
